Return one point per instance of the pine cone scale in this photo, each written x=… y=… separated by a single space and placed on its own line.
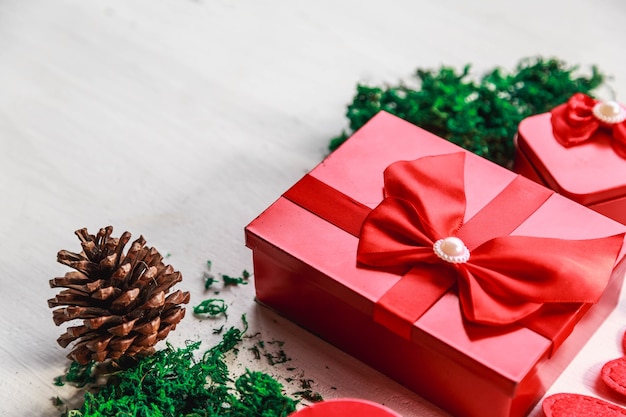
x=173 y=316
x=121 y=345
x=146 y=340
x=80 y=354
x=125 y=300
x=177 y=297
x=96 y=323
x=62 y=315
x=65 y=339
x=76 y=331
x=98 y=344
x=71 y=278
x=91 y=250
x=149 y=327
x=105 y=293
x=84 y=288
x=165 y=331
x=123 y=329
x=156 y=301
x=70 y=296
x=76 y=261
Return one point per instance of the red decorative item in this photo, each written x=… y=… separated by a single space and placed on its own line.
x=576 y=405
x=579 y=151
x=613 y=373
x=436 y=301
x=420 y=224
x=345 y=408
x=577 y=120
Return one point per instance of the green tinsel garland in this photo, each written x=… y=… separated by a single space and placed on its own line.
x=479 y=115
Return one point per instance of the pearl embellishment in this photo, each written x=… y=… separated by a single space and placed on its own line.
x=451 y=249
x=609 y=112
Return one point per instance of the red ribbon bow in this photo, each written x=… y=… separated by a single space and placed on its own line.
x=577 y=120
x=505 y=278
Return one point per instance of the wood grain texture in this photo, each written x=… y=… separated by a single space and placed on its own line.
x=183 y=119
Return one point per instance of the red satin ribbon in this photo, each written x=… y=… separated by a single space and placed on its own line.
x=574 y=123
x=506 y=279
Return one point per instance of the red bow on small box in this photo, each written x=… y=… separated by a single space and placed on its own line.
x=500 y=279
x=577 y=120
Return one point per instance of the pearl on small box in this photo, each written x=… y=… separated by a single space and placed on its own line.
x=451 y=249
x=609 y=112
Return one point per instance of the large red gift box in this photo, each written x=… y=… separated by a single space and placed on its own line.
x=572 y=152
x=467 y=283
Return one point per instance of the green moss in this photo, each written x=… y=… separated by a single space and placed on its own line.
x=173 y=383
x=479 y=114
x=77 y=375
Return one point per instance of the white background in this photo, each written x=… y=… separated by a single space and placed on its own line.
x=183 y=119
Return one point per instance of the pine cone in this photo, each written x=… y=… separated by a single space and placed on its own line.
x=123 y=300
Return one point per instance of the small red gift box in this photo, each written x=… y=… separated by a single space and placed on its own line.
x=577 y=154
x=467 y=283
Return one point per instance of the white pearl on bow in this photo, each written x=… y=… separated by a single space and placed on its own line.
x=609 y=112
x=451 y=249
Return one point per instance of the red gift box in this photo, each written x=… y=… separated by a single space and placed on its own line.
x=591 y=172
x=436 y=336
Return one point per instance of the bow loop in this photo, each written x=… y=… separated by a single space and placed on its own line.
x=388 y=238
x=439 y=199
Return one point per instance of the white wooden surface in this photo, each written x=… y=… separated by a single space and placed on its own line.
x=182 y=120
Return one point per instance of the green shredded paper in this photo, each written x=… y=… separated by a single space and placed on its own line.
x=242 y=280
x=211 y=307
x=480 y=114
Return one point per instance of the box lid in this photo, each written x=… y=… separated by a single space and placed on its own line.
x=588 y=173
